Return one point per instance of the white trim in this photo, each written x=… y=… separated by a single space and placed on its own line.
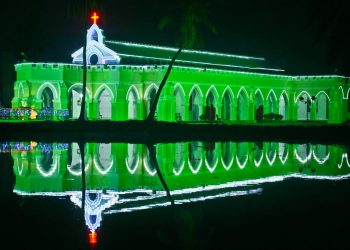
x=247 y=95
x=100 y=89
x=286 y=94
x=257 y=163
x=268 y=94
x=319 y=161
x=178 y=85
x=261 y=94
x=230 y=92
x=153 y=85
x=98 y=166
x=52 y=170
x=216 y=94
x=322 y=92
x=198 y=88
x=241 y=166
x=51 y=87
x=147 y=167
x=303 y=161
x=304 y=91
x=80 y=84
x=211 y=169
x=135 y=89
x=191 y=167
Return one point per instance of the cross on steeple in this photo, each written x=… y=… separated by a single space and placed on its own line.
x=94 y=17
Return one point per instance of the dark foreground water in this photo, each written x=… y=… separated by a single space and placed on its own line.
x=224 y=195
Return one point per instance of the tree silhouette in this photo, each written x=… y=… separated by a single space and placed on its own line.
x=194 y=14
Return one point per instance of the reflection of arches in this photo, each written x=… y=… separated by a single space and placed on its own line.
x=74 y=159
x=283 y=152
x=132 y=159
x=271 y=152
x=258 y=153
x=104 y=161
x=46 y=163
x=195 y=103
x=348 y=97
x=211 y=156
x=303 y=153
x=242 y=105
x=320 y=153
x=259 y=105
x=227 y=105
x=132 y=97
x=179 y=159
x=304 y=103
x=322 y=106
x=283 y=105
x=227 y=155
x=271 y=102
x=195 y=156
x=148 y=161
x=242 y=154
x=150 y=95
x=179 y=103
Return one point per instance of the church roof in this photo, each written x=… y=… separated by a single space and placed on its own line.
x=151 y=54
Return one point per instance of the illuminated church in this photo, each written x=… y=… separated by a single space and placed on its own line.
x=123 y=77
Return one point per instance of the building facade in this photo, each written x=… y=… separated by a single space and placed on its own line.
x=122 y=80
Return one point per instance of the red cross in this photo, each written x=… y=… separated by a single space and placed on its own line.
x=94 y=17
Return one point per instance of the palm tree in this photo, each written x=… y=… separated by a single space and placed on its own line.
x=195 y=13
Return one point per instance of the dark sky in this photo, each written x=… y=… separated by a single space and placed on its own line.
x=50 y=31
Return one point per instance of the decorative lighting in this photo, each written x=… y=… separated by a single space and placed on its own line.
x=93 y=238
x=94 y=17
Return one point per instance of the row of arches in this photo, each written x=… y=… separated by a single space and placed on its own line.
x=195 y=106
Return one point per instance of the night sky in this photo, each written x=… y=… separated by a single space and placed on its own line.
x=286 y=33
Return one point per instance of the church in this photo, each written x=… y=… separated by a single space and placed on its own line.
x=123 y=78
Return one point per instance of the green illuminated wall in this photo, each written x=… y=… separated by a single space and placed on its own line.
x=237 y=93
x=121 y=167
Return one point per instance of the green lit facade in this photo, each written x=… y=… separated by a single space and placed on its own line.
x=122 y=80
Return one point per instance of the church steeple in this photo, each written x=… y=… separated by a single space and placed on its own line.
x=96 y=51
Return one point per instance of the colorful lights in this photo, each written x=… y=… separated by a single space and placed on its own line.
x=93 y=238
x=94 y=18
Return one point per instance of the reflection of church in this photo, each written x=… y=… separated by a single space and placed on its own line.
x=123 y=77
x=121 y=178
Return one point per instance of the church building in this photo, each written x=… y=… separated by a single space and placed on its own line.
x=123 y=78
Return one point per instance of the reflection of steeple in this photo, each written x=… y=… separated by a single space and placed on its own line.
x=96 y=202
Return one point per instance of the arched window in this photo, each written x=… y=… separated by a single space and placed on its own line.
x=179 y=105
x=105 y=105
x=227 y=108
x=259 y=106
x=242 y=106
x=322 y=107
x=195 y=105
x=132 y=104
x=283 y=106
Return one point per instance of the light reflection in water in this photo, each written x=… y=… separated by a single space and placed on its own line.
x=122 y=177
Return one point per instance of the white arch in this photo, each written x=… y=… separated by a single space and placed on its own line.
x=344 y=157
x=271 y=91
x=261 y=94
x=257 y=163
x=80 y=84
x=285 y=92
x=229 y=90
x=320 y=92
x=42 y=87
x=319 y=161
x=280 y=154
x=132 y=87
x=149 y=88
x=20 y=86
x=246 y=93
x=198 y=88
x=52 y=170
x=215 y=92
x=179 y=86
x=304 y=91
x=303 y=161
x=343 y=94
x=147 y=167
x=94 y=51
x=227 y=167
x=101 y=88
x=273 y=158
x=241 y=166
x=195 y=171
x=211 y=169
x=177 y=173
x=99 y=168
x=132 y=171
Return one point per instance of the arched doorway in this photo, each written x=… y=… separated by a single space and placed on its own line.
x=150 y=97
x=75 y=97
x=105 y=105
x=195 y=104
x=47 y=98
x=104 y=157
x=195 y=156
x=259 y=106
x=227 y=109
x=304 y=103
x=132 y=159
x=322 y=107
x=227 y=154
x=179 y=105
x=179 y=160
x=211 y=156
x=132 y=104
x=283 y=106
x=271 y=103
x=211 y=106
x=242 y=154
x=242 y=106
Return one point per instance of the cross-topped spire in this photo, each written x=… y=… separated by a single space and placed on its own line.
x=94 y=17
